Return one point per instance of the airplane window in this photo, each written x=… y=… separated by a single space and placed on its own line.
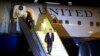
x=79 y=22
x=54 y=21
x=60 y=21
x=97 y=24
x=91 y=23
x=66 y=22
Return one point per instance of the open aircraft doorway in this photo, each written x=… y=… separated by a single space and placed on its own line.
x=45 y=25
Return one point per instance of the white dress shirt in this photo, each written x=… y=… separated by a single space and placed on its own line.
x=50 y=34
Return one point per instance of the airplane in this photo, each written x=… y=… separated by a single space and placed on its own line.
x=76 y=21
x=72 y=24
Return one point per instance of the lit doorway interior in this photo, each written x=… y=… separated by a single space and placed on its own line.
x=45 y=25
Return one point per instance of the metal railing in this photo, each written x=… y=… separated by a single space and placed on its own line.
x=32 y=38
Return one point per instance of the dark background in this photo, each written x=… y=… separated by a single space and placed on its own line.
x=93 y=3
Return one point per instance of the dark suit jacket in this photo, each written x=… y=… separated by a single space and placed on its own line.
x=48 y=39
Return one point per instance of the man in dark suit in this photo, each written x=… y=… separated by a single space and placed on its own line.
x=49 y=39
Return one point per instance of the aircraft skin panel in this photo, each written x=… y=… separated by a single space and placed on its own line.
x=4 y=17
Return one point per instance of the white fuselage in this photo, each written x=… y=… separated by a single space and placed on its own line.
x=73 y=14
x=81 y=21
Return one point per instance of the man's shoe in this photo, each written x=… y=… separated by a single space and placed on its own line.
x=48 y=53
